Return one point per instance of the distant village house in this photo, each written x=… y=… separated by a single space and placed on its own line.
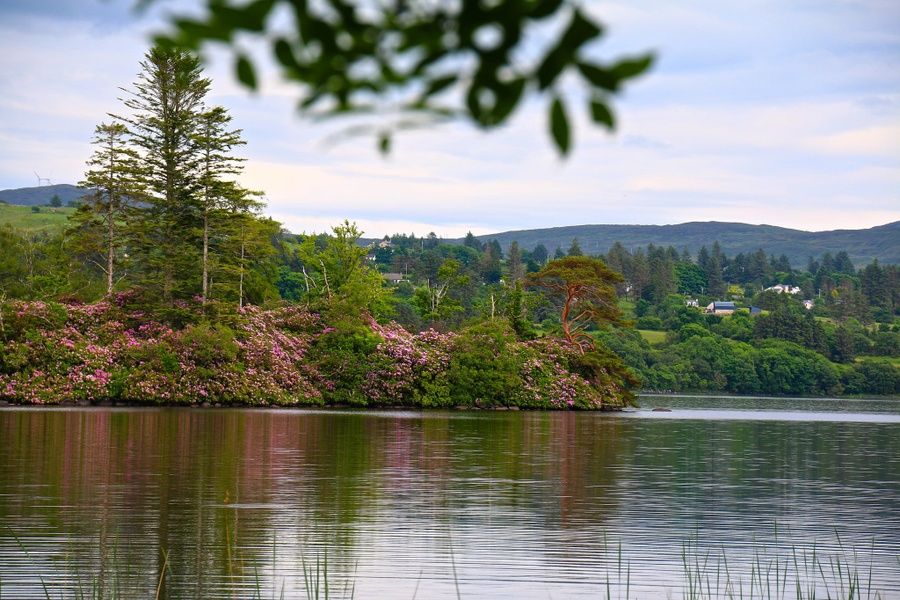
x=394 y=278
x=720 y=308
x=784 y=289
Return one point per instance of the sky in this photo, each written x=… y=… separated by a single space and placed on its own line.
x=762 y=111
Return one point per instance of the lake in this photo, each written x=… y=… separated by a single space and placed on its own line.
x=720 y=493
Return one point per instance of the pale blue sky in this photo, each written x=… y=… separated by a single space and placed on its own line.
x=765 y=111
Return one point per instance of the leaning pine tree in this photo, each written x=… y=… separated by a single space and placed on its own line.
x=585 y=290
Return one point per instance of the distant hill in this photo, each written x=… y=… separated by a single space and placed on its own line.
x=863 y=245
x=41 y=195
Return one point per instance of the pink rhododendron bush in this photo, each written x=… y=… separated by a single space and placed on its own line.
x=110 y=352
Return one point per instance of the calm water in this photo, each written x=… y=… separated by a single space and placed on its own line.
x=517 y=505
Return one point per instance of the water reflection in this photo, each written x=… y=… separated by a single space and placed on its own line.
x=216 y=503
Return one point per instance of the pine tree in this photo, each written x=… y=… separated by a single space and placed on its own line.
x=514 y=263
x=575 y=249
x=714 y=271
x=215 y=142
x=472 y=242
x=99 y=225
x=243 y=249
x=540 y=254
x=489 y=265
x=165 y=108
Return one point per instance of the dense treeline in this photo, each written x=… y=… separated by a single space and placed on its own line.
x=847 y=342
x=829 y=329
x=169 y=286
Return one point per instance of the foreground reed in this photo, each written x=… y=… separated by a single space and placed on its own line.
x=779 y=572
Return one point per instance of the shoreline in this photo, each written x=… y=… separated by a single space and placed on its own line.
x=6 y=405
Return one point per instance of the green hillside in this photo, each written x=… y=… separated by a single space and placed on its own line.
x=22 y=217
x=41 y=195
x=863 y=245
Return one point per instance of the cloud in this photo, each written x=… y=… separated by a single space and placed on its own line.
x=783 y=113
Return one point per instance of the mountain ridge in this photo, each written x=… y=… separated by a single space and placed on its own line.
x=41 y=195
x=881 y=242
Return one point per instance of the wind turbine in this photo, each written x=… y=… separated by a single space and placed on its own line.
x=41 y=180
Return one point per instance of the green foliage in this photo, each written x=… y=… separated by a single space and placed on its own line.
x=873 y=376
x=436 y=301
x=787 y=368
x=585 y=289
x=352 y=59
x=344 y=357
x=739 y=326
x=691 y=279
x=606 y=371
x=483 y=371
x=339 y=280
x=211 y=345
x=693 y=330
x=649 y=322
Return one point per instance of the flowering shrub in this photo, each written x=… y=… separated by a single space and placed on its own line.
x=408 y=369
x=109 y=351
x=99 y=352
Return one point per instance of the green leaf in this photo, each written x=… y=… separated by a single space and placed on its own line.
x=580 y=31
x=285 y=53
x=544 y=8
x=438 y=85
x=559 y=126
x=599 y=76
x=384 y=142
x=245 y=72
x=631 y=67
x=601 y=114
x=508 y=96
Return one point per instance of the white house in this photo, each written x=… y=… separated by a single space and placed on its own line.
x=784 y=289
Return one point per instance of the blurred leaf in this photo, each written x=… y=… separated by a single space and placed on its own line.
x=544 y=8
x=438 y=85
x=601 y=114
x=507 y=99
x=384 y=142
x=599 y=76
x=579 y=31
x=348 y=56
x=285 y=54
x=559 y=125
x=631 y=67
x=245 y=71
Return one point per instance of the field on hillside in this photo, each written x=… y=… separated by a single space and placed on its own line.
x=654 y=338
x=21 y=217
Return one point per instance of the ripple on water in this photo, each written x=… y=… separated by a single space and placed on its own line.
x=502 y=505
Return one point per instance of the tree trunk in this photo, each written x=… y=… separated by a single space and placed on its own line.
x=206 y=252
x=110 y=223
x=241 y=279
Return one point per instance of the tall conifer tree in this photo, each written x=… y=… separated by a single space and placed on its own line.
x=100 y=225
x=165 y=109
